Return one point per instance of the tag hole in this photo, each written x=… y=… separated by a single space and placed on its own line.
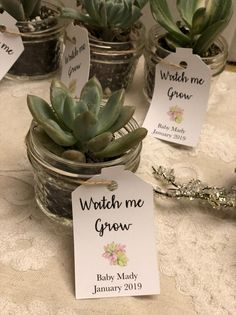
x=1 y=10
x=183 y=64
x=2 y=28
x=112 y=186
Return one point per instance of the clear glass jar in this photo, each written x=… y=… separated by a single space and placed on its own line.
x=154 y=53
x=43 y=47
x=56 y=178
x=114 y=63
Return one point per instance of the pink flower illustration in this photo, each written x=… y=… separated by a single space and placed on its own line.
x=116 y=254
x=176 y=114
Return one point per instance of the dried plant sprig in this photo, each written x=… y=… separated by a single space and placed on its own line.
x=217 y=197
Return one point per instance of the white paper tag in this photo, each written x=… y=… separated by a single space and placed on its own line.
x=76 y=58
x=115 y=252
x=11 y=46
x=180 y=99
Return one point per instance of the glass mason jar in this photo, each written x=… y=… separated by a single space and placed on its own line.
x=114 y=63
x=55 y=177
x=154 y=53
x=43 y=47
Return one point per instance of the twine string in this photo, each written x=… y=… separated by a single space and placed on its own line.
x=4 y=30
x=111 y=184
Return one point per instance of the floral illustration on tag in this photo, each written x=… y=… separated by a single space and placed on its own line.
x=176 y=114
x=116 y=254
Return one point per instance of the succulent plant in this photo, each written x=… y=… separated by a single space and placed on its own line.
x=109 y=16
x=202 y=21
x=84 y=126
x=21 y=10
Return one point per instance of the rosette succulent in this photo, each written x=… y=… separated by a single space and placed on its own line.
x=83 y=127
x=201 y=22
x=107 y=16
x=21 y=10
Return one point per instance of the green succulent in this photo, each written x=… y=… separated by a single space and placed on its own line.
x=107 y=15
x=84 y=126
x=21 y=10
x=201 y=22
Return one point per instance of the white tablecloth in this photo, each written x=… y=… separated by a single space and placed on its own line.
x=196 y=244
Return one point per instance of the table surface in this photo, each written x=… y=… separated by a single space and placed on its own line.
x=196 y=244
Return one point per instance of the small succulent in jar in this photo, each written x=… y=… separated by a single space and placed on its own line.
x=201 y=22
x=83 y=127
x=107 y=17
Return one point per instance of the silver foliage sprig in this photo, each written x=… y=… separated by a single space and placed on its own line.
x=194 y=189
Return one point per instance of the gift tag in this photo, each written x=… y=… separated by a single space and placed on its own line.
x=115 y=252
x=11 y=45
x=180 y=98
x=76 y=58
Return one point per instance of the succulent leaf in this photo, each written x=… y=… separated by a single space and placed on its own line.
x=91 y=95
x=31 y=8
x=21 y=10
x=208 y=36
x=187 y=9
x=110 y=112
x=124 y=117
x=123 y=144
x=14 y=8
x=84 y=126
x=57 y=134
x=161 y=13
x=99 y=142
x=69 y=114
x=219 y=10
x=40 y=109
x=199 y=21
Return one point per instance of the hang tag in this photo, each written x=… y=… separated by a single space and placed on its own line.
x=180 y=98
x=76 y=58
x=11 y=45
x=115 y=252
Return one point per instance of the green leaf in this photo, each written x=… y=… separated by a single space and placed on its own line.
x=92 y=8
x=69 y=109
x=121 y=145
x=140 y=3
x=207 y=38
x=199 y=21
x=99 y=142
x=84 y=126
x=70 y=13
x=31 y=7
x=80 y=107
x=219 y=10
x=162 y=15
x=40 y=109
x=124 y=117
x=188 y=8
x=110 y=112
x=91 y=95
x=14 y=8
x=57 y=134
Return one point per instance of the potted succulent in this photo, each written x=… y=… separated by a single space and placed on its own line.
x=199 y=28
x=42 y=35
x=73 y=139
x=116 y=38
